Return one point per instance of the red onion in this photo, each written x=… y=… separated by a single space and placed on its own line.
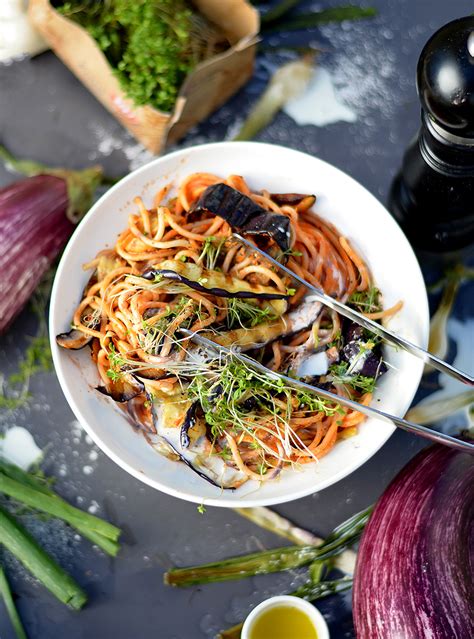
x=414 y=572
x=36 y=220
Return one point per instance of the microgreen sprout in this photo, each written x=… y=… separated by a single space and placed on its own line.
x=245 y=314
x=340 y=374
x=211 y=251
x=368 y=301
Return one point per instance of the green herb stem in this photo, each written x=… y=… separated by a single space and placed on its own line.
x=7 y=597
x=21 y=544
x=314 y=19
x=57 y=507
x=278 y=10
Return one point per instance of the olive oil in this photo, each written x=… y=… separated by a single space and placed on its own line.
x=283 y=622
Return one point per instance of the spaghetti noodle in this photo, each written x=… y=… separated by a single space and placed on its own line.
x=176 y=266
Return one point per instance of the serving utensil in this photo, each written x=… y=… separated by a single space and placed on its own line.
x=404 y=424
x=367 y=323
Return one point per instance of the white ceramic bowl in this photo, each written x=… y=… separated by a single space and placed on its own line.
x=311 y=612
x=342 y=201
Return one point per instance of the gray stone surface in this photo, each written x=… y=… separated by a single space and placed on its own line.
x=46 y=114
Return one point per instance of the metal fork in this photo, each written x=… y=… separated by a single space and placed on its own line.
x=404 y=424
x=367 y=323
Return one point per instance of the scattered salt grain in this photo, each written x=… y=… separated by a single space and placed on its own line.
x=113 y=138
x=87 y=470
x=94 y=507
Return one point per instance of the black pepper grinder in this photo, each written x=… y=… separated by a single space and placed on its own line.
x=432 y=197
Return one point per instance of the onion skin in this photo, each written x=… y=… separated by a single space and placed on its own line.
x=415 y=566
x=33 y=230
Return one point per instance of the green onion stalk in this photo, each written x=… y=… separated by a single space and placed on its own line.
x=275 y=523
x=23 y=487
x=270 y=561
x=21 y=544
x=12 y=612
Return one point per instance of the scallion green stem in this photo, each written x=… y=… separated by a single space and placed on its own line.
x=270 y=561
x=21 y=544
x=289 y=81
x=7 y=597
x=16 y=473
x=259 y=563
x=56 y=507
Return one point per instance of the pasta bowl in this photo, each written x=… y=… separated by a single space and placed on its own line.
x=340 y=200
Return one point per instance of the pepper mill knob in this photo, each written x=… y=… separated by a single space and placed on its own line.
x=445 y=79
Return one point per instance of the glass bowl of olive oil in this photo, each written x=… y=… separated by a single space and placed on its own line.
x=285 y=617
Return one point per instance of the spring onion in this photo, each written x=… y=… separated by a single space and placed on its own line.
x=289 y=81
x=275 y=523
x=53 y=505
x=434 y=410
x=21 y=544
x=6 y=595
x=270 y=561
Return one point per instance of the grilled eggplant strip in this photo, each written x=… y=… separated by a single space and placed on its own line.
x=73 y=340
x=244 y=215
x=124 y=389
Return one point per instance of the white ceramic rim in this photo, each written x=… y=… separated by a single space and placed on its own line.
x=252 y=499
x=308 y=608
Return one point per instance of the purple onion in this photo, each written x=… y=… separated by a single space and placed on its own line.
x=415 y=566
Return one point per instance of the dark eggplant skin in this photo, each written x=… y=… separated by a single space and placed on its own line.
x=33 y=230
x=244 y=215
x=139 y=409
x=73 y=340
x=124 y=389
x=194 y=469
x=415 y=564
x=373 y=364
x=151 y=273
x=293 y=199
x=189 y=421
